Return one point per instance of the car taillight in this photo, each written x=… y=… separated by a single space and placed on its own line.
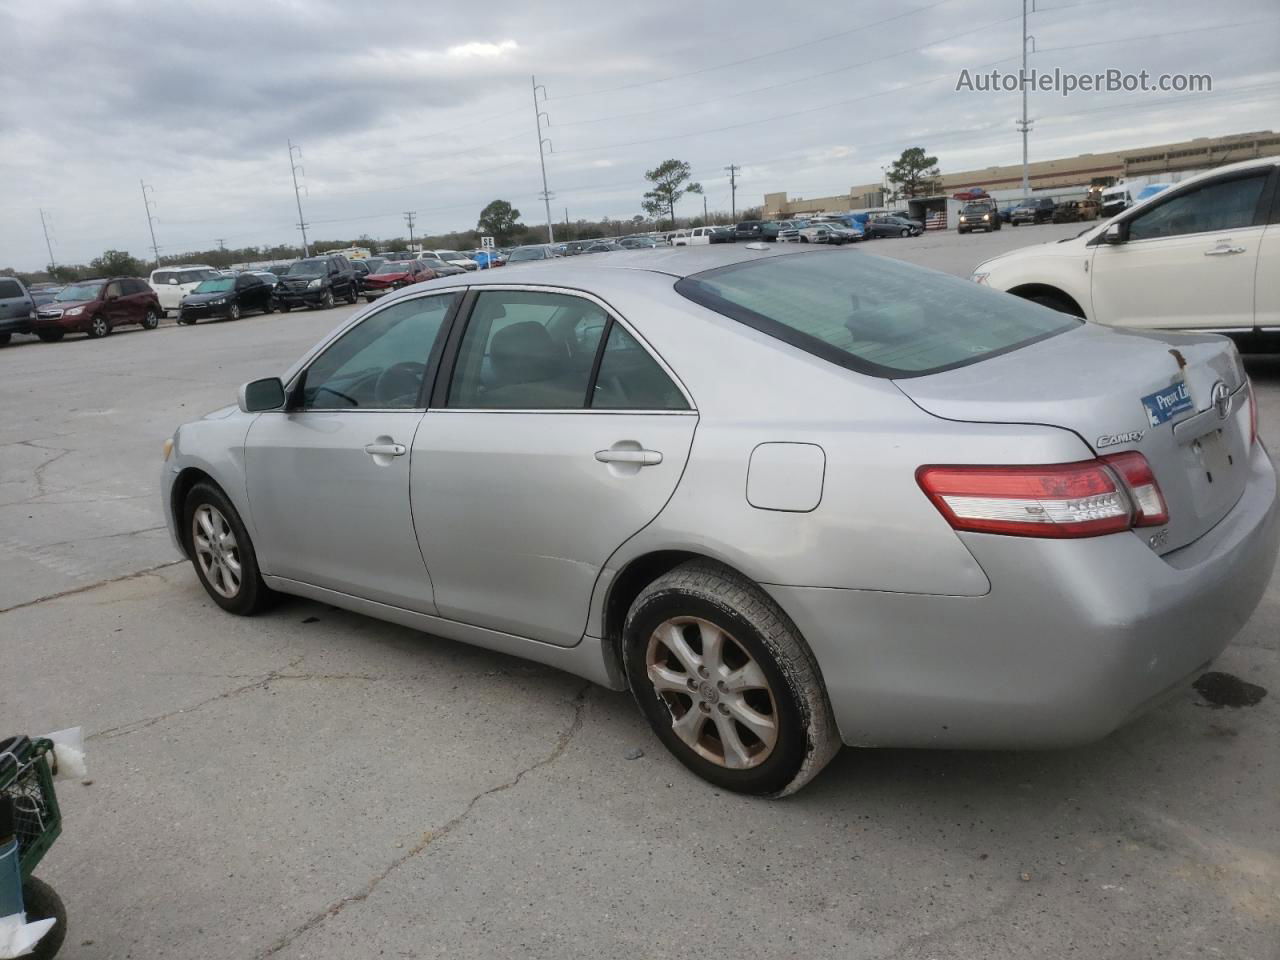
x=1253 y=413
x=1148 y=501
x=1060 y=500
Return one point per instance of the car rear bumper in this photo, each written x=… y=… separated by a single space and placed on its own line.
x=1074 y=639
x=16 y=325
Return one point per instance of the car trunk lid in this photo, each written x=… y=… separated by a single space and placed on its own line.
x=1122 y=390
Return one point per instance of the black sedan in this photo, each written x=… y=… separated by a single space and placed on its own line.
x=892 y=227
x=228 y=297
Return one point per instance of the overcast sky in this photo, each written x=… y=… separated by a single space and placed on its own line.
x=404 y=105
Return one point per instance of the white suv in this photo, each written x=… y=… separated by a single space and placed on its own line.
x=1202 y=255
x=696 y=237
x=171 y=284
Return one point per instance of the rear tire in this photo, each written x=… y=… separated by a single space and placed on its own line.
x=286 y=307
x=51 y=336
x=222 y=552
x=353 y=296
x=151 y=320
x=5 y=338
x=759 y=670
x=42 y=902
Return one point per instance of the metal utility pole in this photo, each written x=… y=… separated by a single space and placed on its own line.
x=297 y=195
x=222 y=243
x=542 y=160
x=408 y=218
x=48 y=246
x=733 y=189
x=706 y=221
x=1024 y=124
x=147 y=202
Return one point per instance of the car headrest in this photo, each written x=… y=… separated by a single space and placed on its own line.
x=523 y=353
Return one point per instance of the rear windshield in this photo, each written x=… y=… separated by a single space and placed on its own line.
x=877 y=316
x=9 y=289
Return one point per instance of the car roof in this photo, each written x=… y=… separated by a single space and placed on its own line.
x=670 y=261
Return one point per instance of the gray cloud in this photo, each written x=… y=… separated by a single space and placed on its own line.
x=400 y=105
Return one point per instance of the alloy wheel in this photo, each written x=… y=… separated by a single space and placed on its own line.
x=234 y=312
x=216 y=550
x=720 y=701
x=98 y=327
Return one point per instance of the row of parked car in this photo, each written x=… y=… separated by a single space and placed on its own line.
x=195 y=292
x=985 y=214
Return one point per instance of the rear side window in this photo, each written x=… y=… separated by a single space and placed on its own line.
x=10 y=289
x=162 y=276
x=630 y=379
x=875 y=316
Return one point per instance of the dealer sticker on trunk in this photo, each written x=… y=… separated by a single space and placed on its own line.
x=1165 y=404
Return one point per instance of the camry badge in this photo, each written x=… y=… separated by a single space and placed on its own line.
x=1112 y=439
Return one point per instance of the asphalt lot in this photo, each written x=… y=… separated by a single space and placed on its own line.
x=316 y=784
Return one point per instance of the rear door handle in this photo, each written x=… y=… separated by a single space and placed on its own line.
x=643 y=458
x=1223 y=251
x=385 y=449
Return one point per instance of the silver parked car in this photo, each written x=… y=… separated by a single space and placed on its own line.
x=791 y=498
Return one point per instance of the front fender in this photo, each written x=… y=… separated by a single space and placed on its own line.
x=213 y=446
x=1068 y=273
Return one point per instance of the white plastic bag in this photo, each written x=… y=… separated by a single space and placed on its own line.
x=68 y=751
x=18 y=938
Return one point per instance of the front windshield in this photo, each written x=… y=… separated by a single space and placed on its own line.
x=221 y=285
x=307 y=268
x=526 y=253
x=976 y=208
x=80 y=291
x=449 y=255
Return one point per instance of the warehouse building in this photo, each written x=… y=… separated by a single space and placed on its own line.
x=1079 y=172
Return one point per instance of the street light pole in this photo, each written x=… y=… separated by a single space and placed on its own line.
x=146 y=202
x=48 y=246
x=1024 y=124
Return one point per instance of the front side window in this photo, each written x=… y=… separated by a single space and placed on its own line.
x=1225 y=205
x=525 y=350
x=879 y=317
x=381 y=363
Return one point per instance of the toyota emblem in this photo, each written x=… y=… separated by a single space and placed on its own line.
x=1221 y=399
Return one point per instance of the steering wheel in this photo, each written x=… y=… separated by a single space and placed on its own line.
x=398 y=381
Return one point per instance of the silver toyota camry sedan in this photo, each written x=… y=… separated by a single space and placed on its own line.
x=790 y=498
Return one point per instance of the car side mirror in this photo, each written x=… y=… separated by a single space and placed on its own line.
x=265 y=394
x=1116 y=233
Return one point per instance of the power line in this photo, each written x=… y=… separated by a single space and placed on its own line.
x=297 y=195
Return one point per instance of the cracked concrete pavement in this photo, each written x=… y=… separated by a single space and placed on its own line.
x=315 y=784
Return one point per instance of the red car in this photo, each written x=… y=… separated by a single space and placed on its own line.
x=393 y=275
x=97 y=307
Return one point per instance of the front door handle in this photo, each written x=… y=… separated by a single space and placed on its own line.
x=385 y=449
x=1223 y=251
x=640 y=458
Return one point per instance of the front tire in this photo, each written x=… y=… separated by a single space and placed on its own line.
x=42 y=902
x=234 y=312
x=5 y=338
x=326 y=302
x=905 y=233
x=353 y=295
x=222 y=553
x=51 y=336
x=99 y=327
x=1061 y=304
x=727 y=683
